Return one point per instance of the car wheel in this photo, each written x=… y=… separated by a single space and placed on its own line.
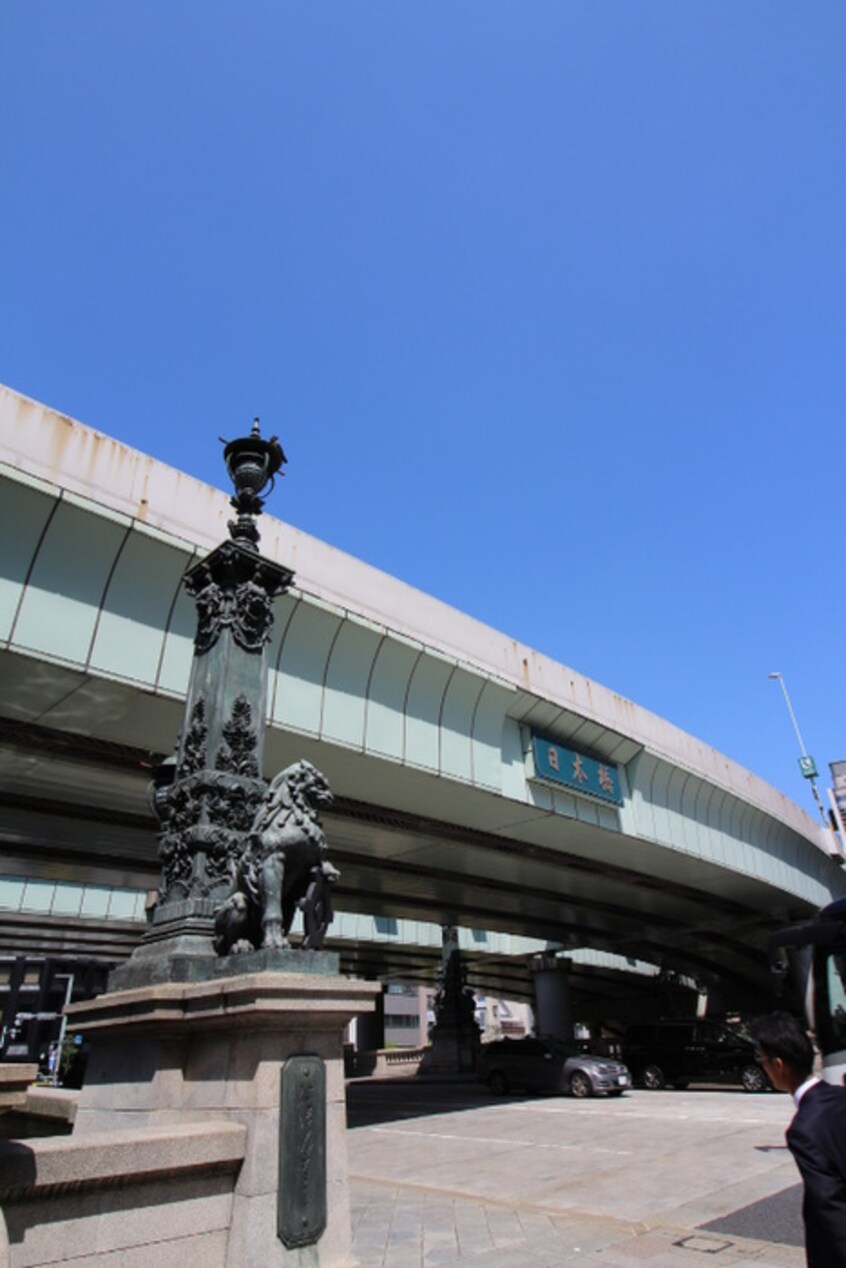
x=580 y=1084
x=753 y=1079
x=497 y=1083
x=653 y=1077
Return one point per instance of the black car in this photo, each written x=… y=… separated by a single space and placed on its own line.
x=676 y=1053
x=549 y=1065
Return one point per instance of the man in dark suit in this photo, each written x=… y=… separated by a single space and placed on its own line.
x=816 y=1137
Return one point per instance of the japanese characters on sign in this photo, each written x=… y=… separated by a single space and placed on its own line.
x=576 y=770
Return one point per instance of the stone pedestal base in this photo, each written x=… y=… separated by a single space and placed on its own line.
x=15 y=1078
x=213 y=1052
x=454 y=1050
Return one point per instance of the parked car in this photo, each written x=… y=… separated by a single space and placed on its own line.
x=677 y=1053
x=549 y=1065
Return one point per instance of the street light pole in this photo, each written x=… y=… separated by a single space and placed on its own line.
x=806 y=762
x=63 y=1025
x=780 y=678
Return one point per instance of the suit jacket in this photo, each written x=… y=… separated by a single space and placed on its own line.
x=817 y=1140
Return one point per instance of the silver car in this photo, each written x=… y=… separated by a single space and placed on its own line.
x=549 y=1065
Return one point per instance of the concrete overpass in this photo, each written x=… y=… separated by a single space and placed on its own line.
x=478 y=782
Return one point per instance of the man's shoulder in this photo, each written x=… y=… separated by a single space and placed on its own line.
x=817 y=1136
x=826 y=1091
x=822 y=1098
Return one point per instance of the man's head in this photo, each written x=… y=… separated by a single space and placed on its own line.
x=784 y=1049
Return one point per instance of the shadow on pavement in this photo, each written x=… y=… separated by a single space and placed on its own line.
x=371 y=1101
x=774 y=1219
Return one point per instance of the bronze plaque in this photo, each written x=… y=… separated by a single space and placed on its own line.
x=301 y=1210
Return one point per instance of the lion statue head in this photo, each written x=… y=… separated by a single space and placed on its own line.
x=298 y=792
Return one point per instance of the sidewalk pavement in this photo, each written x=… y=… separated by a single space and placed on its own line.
x=448 y=1176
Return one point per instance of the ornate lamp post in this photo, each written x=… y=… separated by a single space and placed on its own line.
x=239 y=857
x=208 y=796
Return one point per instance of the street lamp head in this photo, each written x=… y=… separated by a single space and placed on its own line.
x=775 y=674
x=252 y=463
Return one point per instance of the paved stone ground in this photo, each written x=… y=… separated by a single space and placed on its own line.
x=443 y=1175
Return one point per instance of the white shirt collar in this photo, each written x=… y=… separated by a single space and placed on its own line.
x=804 y=1087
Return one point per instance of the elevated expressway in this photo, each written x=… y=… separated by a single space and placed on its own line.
x=424 y=720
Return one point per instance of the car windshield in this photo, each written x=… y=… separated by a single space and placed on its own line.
x=561 y=1048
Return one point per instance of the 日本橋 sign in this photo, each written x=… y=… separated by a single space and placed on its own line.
x=576 y=770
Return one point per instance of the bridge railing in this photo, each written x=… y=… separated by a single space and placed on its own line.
x=381 y=1063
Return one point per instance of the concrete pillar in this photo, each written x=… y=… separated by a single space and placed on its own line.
x=552 y=997
x=370 y=1027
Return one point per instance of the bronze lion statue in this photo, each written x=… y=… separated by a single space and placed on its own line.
x=283 y=869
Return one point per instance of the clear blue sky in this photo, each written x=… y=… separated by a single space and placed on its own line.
x=546 y=300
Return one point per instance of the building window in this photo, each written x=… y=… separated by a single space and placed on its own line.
x=11 y=892
x=38 y=896
x=61 y=898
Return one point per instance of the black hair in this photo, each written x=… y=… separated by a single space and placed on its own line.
x=781 y=1035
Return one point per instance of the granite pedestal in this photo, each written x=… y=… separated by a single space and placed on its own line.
x=169 y=1056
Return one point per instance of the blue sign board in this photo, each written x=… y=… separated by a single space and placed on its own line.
x=576 y=770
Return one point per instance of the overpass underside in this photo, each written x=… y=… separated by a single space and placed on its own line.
x=74 y=808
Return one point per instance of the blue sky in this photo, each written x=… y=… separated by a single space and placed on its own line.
x=545 y=300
